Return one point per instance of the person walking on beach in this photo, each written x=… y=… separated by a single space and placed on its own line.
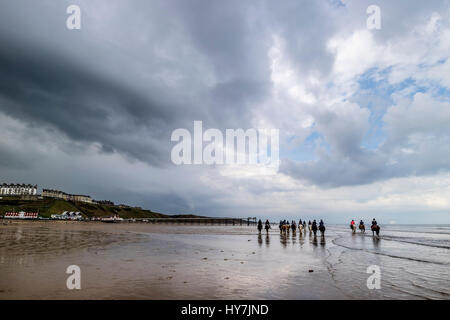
x=260 y=226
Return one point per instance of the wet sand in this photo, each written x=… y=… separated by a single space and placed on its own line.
x=154 y=261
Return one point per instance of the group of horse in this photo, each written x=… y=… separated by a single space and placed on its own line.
x=375 y=228
x=286 y=227
x=312 y=228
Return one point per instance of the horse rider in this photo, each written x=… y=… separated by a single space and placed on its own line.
x=314 y=227
x=300 y=222
x=352 y=226
x=362 y=227
x=322 y=227
x=309 y=225
x=321 y=223
x=260 y=226
x=293 y=225
x=375 y=227
x=267 y=227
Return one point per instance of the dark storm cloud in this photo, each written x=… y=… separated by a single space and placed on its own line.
x=45 y=89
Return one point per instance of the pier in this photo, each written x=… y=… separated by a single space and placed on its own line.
x=200 y=221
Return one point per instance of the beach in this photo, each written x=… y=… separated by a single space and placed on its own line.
x=176 y=261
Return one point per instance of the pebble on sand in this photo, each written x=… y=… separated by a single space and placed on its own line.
x=310 y=270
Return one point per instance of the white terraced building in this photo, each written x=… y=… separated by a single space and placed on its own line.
x=17 y=189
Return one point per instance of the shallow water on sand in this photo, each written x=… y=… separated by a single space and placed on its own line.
x=146 y=261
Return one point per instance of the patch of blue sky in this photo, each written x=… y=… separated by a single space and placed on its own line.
x=441 y=93
x=336 y=3
x=377 y=95
x=306 y=151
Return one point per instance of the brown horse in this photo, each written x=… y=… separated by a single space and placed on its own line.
x=285 y=228
x=362 y=228
x=375 y=229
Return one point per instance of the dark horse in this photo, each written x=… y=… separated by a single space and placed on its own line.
x=322 y=230
x=375 y=229
x=314 y=228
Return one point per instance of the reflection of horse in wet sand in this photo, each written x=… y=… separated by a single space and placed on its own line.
x=375 y=229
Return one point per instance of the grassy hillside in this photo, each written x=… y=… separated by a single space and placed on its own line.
x=47 y=206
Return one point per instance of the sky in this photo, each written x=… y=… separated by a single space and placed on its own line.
x=363 y=114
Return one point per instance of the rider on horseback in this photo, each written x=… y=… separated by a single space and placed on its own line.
x=362 y=227
x=314 y=227
x=322 y=227
x=260 y=226
x=375 y=227
x=267 y=227
x=353 y=226
x=293 y=226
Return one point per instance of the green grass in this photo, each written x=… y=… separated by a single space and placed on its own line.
x=48 y=206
